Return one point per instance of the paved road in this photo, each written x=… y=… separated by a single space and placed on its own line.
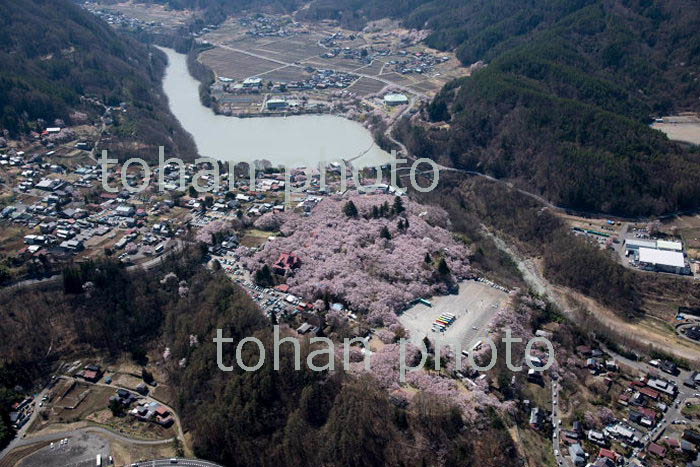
x=149 y=398
x=556 y=436
x=178 y=461
x=542 y=286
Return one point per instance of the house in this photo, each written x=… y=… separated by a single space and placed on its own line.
x=650 y=393
x=91 y=373
x=603 y=462
x=657 y=450
x=610 y=454
x=687 y=446
x=306 y=328
x=534 y=376
x=48 y=184
x=663 y=386
x=165 y=422
x=596 y=437
x=692 y=436
x=578 y=456
x=650 y=414
x=125 y=211
x=635 y=416
x=536 y=418
x=395 y=99
x=286 y=263
x=669 y=367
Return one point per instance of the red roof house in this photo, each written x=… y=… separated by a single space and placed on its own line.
x=657 y=450
x=649 y=392
x=610 y=454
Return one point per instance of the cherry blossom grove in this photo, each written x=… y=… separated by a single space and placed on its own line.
x=345 y=258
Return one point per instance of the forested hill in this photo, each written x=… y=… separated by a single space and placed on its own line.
x=54 y=52
x=564 y=104
x=216 y=11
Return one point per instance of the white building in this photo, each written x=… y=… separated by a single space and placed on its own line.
x=670 y=246
x=395 y=99
x=662 y=260
x=635 y=245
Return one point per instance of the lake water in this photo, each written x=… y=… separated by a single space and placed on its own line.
x=294 y=141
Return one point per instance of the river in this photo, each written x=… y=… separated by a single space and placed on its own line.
x=294 y=141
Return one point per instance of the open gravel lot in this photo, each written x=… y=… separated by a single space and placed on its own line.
x=474 y=306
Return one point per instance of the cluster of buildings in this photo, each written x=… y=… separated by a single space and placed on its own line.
x=119 y=19
x=319 y=79
x=21 y=412
x=63 y=211
x=269 y=26
x=152 y=412
x=324 y=79
x=633 y=437
x=406 y=63
x=657 y=255
x=419 y=62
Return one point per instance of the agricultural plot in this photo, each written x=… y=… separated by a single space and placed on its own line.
x=286 y=74
x=292 y=49
x=366 y=86
x=374 y=68
x=425 y=86
x=235 y=65
x=397 y=78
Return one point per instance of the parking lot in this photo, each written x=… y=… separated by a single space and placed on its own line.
x=473 y=306
x=79 y=450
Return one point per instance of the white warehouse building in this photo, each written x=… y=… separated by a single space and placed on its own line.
x=662 y=260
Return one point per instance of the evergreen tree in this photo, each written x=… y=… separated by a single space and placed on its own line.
x=350 y=209
x=385 y=233
x=398 y=207
x=384 y=210
x=116 y=407
x=443 y=268
x=263 y=277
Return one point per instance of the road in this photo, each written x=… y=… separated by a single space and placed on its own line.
x=20 y=440
x=176 y=418
x=148 y=265
x=300 y=65
x=540 y=285
x=556 y=435
x=179 y=461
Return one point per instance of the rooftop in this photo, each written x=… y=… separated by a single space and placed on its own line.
x=661 y=257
